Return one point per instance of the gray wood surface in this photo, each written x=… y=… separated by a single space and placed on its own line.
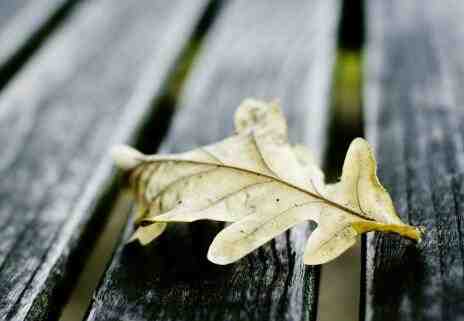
x=89 y=86
x=265 y=49
x=414 y=115
x=23 y=25
x=8 y=10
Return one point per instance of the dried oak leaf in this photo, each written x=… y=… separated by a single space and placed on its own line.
x=263 y=186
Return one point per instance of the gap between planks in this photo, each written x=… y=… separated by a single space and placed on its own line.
x=148 y=140
x=31 y=26
x=95 y=265
x=340 y=279
x=340 y=282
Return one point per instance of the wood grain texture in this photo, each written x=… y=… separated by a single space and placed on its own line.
x=265 y=49
x=415 y=117
x=22 y=25
x=79 y=94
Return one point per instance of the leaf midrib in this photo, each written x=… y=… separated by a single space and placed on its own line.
x=301 y=189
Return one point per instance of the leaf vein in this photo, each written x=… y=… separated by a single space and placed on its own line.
x=180 y=179
x=272 y=218
x=252 y=172
x=260 y=153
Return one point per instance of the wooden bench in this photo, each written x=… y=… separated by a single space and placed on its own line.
x=79 y=76
x=415 y=118
x=80 y=91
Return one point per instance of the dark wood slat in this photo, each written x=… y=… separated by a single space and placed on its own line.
x=414 y=97
x=58 y=118
x=21 y=22
x=264 y=49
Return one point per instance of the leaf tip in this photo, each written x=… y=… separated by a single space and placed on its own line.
x=360 y=140
x=254 y=113
x=216 y=258
x=126 y=157
x=146 y=234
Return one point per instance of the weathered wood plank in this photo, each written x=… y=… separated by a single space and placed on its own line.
x=263 y=49
x=8 y=9
x=22 y=25
x=58 y=117
x=414 y=97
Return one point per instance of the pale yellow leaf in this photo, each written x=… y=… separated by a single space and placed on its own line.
x=263 y=186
